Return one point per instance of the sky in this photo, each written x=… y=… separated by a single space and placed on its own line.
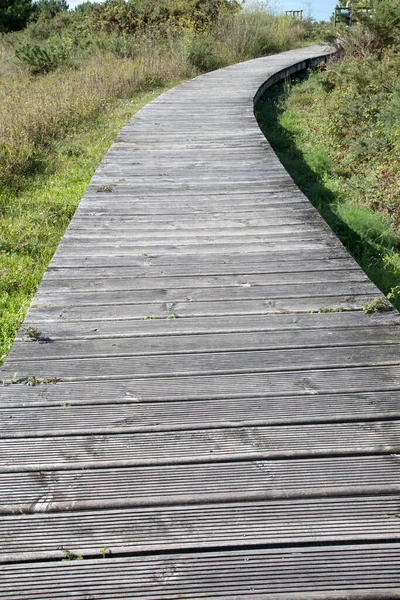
x=321 y=10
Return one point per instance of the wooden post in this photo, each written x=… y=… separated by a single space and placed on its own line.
x=295 y=14
x=347 y=14
x=343 y=14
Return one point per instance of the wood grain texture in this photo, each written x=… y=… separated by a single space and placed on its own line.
x=196 y=388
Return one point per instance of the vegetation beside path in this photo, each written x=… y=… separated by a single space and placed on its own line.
x=69 y=80
x=33 y=219
x=337 y=132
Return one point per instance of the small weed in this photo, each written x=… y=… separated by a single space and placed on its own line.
x=32 y=380
x=147 y=318
x=32 y=333
x=377 y=305
x=105 y=552
x=105 y=188
x=68 y=555
x=172 y=317
x=394 y=294
x=52 y=380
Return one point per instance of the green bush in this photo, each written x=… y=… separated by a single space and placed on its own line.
x=202 y=53
x=45 y=27
x=383 y=26
x=42 y=58
x=130 y=16
x=50 y=8
x=15 y=14
x=124 y=46
x=375 y=32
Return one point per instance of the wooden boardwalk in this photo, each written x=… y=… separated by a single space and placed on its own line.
x=213 y=435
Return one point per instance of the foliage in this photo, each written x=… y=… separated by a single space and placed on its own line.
x=33 y=218
x=376 y=31
x=50 y=8
x=15 y=14
x=338 y=133
x=202 y=53
x=377 y=305
x=133 y=15
x=42 y=58
x=356 y=4
x=381 y=30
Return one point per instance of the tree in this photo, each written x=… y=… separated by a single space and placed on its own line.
x=50 y=8
x=129 y=16
x=15 y=14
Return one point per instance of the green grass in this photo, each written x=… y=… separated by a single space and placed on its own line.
x=33 y=219
x=356 y=195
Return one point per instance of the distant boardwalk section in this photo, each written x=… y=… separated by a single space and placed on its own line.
x=198 y=405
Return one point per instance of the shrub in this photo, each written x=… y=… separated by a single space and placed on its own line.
x=133 y=15
x=376 y=31
x=50 y=8
x=202 y=53
x=125 y=46
x=15 y=14
x=42 y=58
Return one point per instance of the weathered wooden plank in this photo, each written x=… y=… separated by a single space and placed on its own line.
x=101 y=282
x=323 y=267
x=205 y=445
x=88 y=330
x=277 y=219
x=304 y=574
x=206 y=247
x=131 y=234
x=205 y=527
x=244 y=385
x=250 y=259
x=131 y=416
x=202 y=294
x=341 y=572
x=193 y=207
x=200 y=483
x=111 y=312
x=157 y=345
x=163 y=365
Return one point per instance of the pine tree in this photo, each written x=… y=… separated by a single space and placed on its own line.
x=14 y=14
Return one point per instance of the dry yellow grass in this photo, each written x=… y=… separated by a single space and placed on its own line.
x=34 y=111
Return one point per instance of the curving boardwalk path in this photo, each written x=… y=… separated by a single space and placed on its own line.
x=214 y=436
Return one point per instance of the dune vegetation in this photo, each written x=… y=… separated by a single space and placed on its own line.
x=337 y=131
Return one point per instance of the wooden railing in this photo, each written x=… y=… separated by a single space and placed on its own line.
x=295 y=14
x=348 y=15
